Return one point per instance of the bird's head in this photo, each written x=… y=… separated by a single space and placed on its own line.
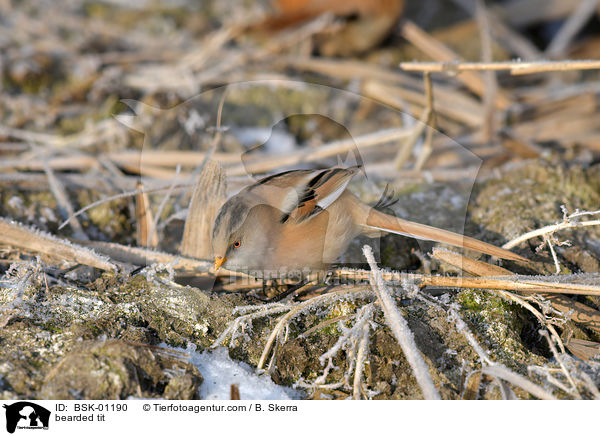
x=241 y=235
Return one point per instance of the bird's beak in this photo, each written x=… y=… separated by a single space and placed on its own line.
x=219 y=261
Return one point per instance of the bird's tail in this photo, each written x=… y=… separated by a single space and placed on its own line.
x=388 y=223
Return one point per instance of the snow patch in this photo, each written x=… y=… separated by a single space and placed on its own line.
x=220 y=372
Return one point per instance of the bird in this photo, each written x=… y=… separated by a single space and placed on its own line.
x=305 y=219
x=366 y=22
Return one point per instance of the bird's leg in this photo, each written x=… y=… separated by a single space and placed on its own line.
x=293 y=291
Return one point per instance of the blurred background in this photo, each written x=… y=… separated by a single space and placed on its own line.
x=101 y=93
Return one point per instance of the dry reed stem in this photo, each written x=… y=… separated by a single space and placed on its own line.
x=515 y=67
x=489 y=77
x=578 y=18
x=505 y=35
x=437 y=50
x=146 y=234
x=64 y=205
x=457 y=108
x=388 y=171
x=207 y=197
x=518 y=283
x=267 y=164
x=107 y=129
x=344 y=69
x=578 y=312
x=425 y=122
x=471 y=266
x=170 y=158
x=145 y=256
x=56 y=163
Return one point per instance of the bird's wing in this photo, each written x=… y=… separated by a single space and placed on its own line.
x=302 y=194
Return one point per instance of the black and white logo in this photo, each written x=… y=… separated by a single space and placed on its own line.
x=26 y=415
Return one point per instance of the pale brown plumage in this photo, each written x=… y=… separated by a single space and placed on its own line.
x=305 y=219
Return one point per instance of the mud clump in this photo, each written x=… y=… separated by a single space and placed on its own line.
x=114 y=369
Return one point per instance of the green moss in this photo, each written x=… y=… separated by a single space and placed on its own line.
x=339 y=309
x=499 y=324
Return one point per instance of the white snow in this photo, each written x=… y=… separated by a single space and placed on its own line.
x=220 y=372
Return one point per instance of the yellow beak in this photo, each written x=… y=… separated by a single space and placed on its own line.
x=219 y=261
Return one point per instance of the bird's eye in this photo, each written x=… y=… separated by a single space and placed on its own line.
x=237 y=244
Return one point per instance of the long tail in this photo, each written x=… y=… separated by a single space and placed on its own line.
x=381 y=221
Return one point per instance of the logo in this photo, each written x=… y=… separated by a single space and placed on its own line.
x=26 y=415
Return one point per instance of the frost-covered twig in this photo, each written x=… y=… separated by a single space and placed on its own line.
x=400 y=329
x=245 y=321
x=353 y=341
x=488 y=365
x=578 y=371
x=18 y=277
x=296 y=310
x=503 y=373
x=151 y=271
x=573 y=389
x=18 y=235
x=461 y=326
x=547 y=323
x=548 y=242
x=588 y=383
x=363 y=349
x=568 y=222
